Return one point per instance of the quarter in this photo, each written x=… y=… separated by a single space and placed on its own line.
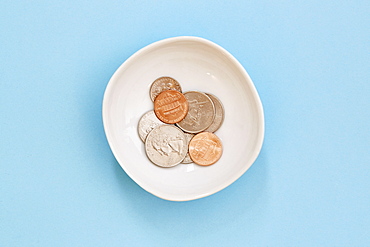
x=219 y=114
x=166 y=146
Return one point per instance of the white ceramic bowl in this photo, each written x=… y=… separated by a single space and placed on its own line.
x=197 y=64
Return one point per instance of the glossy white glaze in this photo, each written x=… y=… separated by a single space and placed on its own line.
x=197 y=64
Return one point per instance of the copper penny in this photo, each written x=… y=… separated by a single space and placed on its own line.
x=171 y=106
x=205 y=149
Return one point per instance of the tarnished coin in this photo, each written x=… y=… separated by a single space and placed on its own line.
x=166 y=146
x=162 y=84
x=170 y=106
x=187 y=158
x=201 y=113
x=147 y=123
x=205 y=149
x=219 y=114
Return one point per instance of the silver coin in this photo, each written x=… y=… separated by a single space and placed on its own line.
x=147 y=123
x=187 y=158
x=219 y=114
x=201 y=112
x=166 y=146
x=162 y=84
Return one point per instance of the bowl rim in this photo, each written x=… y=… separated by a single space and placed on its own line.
x=154 y=45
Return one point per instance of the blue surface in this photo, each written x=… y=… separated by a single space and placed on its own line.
x=61 y=186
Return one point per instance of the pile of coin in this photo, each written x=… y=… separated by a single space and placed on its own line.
x=180 y=128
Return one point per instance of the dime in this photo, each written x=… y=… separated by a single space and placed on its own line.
x=147 y=123
x=166 y=146
x=205 y=148
x=219 y=114
x=187 y=158
x=201 y=112
x=170 y=106
x=162 y=84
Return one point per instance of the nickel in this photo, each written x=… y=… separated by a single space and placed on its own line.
x=187 y=158
x=147 y=123
x=201 y=112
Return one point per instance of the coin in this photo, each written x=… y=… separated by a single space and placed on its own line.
x=170 y=106
x=187 y=158
x=147 y=123
x=219 y=114
x=201 y=112
x=166 y=146
x=162 y=84
x=205 y=149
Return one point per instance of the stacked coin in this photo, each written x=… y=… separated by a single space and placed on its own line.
x=179 y=129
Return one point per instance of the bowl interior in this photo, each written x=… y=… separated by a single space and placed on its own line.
x=199 y=65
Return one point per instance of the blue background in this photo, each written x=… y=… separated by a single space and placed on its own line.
x=61 y=186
